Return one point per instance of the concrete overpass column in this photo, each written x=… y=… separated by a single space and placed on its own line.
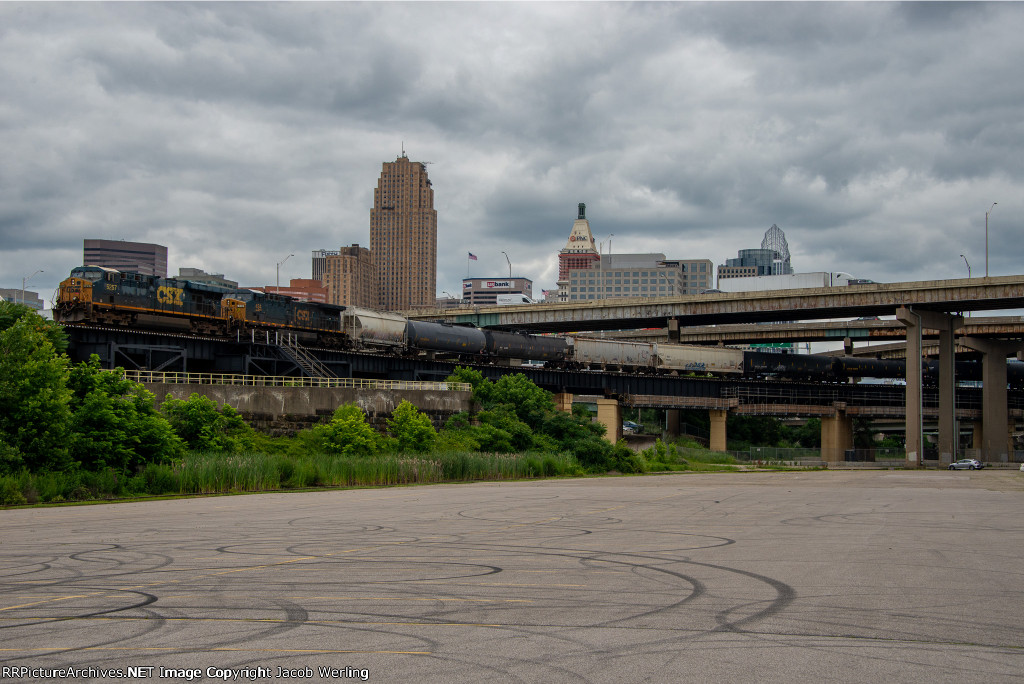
x=673 y=329
x=946 y=324
x=563 y=401
x=948 y=438
x=994 y=414
x=915 y=426
x=836 y=437
x=718 y=440
x=672 y=423
x=609 y=414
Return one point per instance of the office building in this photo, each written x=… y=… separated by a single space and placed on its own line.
x=351 y=278
x=771 y=259
x=320 y=261
x=696 y=275
x=306 y=289
x=403 y=236
x=485 y=291
x=139 y=257
x=447 y=302
x=638 y=275
x=27 y=297
x=197 y=275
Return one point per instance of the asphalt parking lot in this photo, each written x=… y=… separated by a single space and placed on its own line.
x=768 y=577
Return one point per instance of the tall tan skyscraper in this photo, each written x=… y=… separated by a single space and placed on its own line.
x=403 y=236
x=350 y=278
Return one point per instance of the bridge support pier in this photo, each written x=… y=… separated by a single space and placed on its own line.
x=672 y=423
x=563 y=401
x=945 y=323
x=996 y=432
x=673 y=329
x=609 y=414
x=836 y=436
x=718 y=441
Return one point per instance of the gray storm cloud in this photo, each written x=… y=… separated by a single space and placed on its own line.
x=876 y=135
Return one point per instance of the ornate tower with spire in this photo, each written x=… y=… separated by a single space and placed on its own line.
x=579 y=251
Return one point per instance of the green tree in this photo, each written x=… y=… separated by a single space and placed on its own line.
x=482 y=387
x=204 y=426
x=348 y=433
x=531 y=404
x=504 y=420
x=10 y=313
x=753 y=430
x=34 y=398
x=807 y=435
x=411 y=428
x=115 y=423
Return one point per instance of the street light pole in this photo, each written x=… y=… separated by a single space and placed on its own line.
x=24 y=282
x=986 y=235
x=509 y=265
x=968 y=277
x=279 y=272
x=604 y=273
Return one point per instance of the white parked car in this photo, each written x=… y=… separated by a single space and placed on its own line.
x=966 y=464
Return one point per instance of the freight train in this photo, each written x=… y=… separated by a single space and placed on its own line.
x=98 y=295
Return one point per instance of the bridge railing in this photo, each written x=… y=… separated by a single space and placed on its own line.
x=176 y=378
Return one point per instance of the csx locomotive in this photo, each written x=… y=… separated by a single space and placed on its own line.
x=98 y=295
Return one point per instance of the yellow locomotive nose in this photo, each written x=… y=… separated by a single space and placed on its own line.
x=74 y=291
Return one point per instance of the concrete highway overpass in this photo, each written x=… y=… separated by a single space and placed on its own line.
x=850 y=301
x=868 y=331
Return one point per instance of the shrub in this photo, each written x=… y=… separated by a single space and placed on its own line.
x=348 y=433
x=10 y=493
x=411 y=429
x=206 y=427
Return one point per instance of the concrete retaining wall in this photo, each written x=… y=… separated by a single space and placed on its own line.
x=286 y=410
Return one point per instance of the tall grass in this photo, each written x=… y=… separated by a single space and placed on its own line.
x=205 y=473
x=684 y=457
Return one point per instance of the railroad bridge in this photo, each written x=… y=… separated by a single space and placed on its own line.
x=919 y=307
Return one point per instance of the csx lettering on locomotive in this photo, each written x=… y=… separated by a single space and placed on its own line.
x=170 y=295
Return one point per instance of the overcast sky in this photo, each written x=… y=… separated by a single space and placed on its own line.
x=876 y=135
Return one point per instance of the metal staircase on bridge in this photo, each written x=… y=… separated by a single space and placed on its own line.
x=293 y=351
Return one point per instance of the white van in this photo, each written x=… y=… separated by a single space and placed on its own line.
x=508 y=299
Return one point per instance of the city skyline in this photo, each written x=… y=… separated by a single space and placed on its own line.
x=883 y=138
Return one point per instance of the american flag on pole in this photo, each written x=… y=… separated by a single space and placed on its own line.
x=472 y=257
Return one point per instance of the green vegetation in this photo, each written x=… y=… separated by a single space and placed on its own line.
x=75 y=432
x=686 y=455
